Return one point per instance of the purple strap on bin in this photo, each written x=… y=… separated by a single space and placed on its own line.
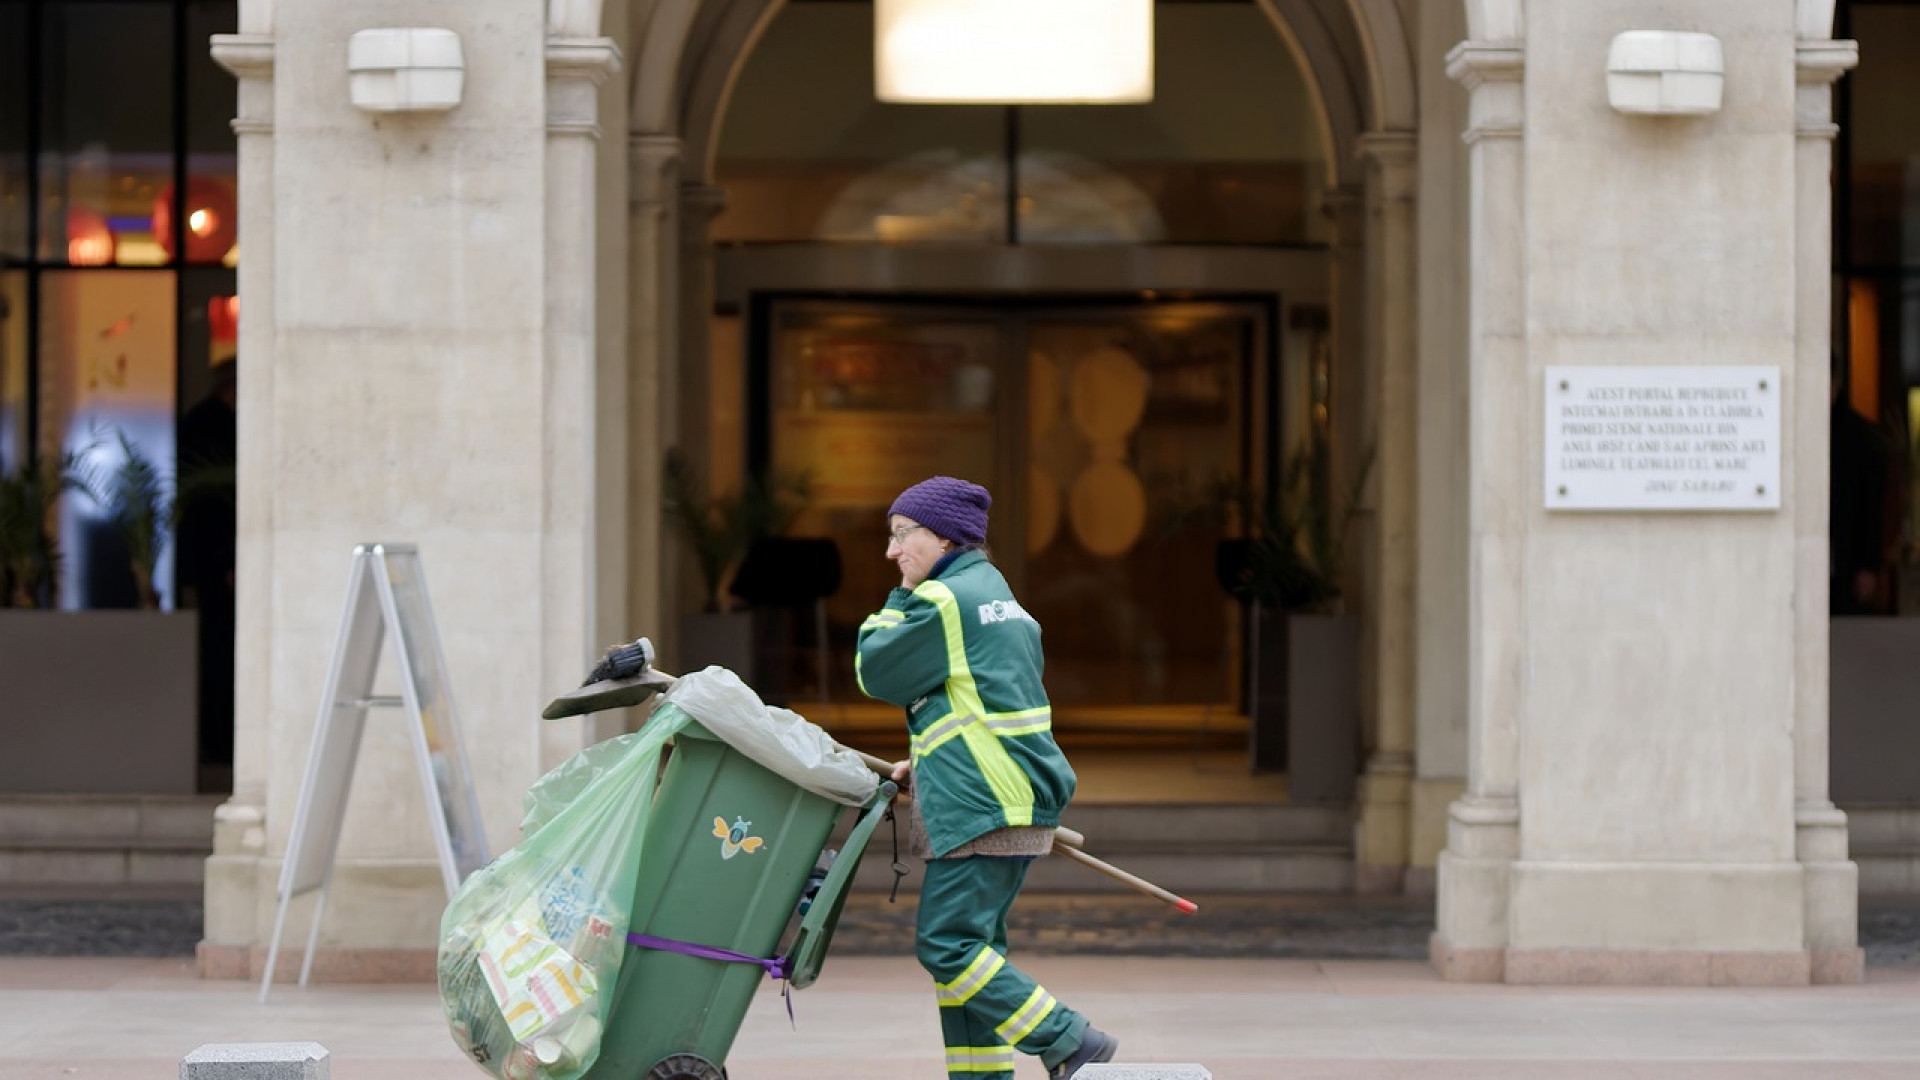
x=778 y=967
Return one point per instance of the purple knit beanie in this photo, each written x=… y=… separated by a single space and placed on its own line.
x=955 y=509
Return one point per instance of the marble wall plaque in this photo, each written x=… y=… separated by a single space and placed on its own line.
x=1662 y=438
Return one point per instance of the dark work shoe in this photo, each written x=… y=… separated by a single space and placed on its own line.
x=1095 y=1045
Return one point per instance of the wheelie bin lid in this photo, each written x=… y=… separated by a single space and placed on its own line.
x=777 y=739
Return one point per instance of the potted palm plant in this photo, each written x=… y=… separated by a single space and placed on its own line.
x=29 y=556
x=720 y=530
x=1287 y=563
x=138 y=498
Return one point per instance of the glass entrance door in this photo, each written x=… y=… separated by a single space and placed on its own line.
x=1101 y=430
x=1132 y=417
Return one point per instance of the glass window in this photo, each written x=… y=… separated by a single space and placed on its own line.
x=1875 y=562
x=106 y=388
x=13 y=369
x=209 y=327
x=1875 y=518
x=93 y=357
x=106 y=131
x=1883 y=138
x=14 y=197
x=211 y=214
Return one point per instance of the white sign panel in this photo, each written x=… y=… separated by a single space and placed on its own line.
x=386 y=596
x=1663 y=438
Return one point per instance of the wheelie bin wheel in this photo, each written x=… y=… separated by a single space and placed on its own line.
x=685 y=1067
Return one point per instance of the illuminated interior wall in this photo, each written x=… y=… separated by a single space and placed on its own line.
x=106 y=371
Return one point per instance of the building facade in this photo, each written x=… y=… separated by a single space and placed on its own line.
x=1352 y=251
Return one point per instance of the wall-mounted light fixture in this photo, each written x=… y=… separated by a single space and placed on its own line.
x=1665 y=73
x=1013 y=52
x=405 y=69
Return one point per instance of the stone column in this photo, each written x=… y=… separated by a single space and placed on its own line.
x=699 y=205
x=1440 y=660
x=1820 y=830
x=1349 y=396
x=239 y=839
x=1483 y=826
x=1646 y=801
x=420 y=351
x=653 y=386
x=1387 y=649
x=575 y=69
x=693 y=395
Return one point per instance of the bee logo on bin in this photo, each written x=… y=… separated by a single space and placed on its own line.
x=734 y=838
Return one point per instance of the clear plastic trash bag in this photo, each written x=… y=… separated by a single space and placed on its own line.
x=531 y=944
x=557 y=790
x=776 y=739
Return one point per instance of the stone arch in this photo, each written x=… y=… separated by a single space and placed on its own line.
x=660 y=38
x=726 y=33
x=1331 y=81
x=713 y=47
x=1393 y=86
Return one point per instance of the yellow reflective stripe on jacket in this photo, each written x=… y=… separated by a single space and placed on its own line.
x=938 y=733
x=1006 y=780
x=1003 y=725
x=1027 y=1017
x=986 y=964
x=1010 y=785
x=884 y=619
x=1024 y=722
x=979 y=1059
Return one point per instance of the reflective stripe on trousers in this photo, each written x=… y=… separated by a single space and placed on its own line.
x=988 y=1007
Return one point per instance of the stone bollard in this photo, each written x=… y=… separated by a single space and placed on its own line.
x=1142 y=1072
x=256 y=1061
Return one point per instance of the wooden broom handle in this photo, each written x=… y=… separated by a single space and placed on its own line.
x=1139 y=883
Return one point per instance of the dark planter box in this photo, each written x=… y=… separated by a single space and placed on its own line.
x=1872 y=740
x=99 y=702
x=1306 y=704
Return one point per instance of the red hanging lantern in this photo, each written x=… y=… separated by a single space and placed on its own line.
x=223 y=318
x=212 y=222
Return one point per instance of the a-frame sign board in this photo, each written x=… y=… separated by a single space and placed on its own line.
x=386 y=596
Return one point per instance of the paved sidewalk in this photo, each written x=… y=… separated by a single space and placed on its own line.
x=871 y=1018
x=1271 y=988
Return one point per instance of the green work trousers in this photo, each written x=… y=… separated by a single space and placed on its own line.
x=988 y=1007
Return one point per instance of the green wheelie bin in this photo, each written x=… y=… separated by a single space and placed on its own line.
x=729 y=849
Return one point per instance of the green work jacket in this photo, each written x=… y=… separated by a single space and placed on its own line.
x=961 y=655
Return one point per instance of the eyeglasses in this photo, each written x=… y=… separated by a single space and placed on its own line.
x=899 y=535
